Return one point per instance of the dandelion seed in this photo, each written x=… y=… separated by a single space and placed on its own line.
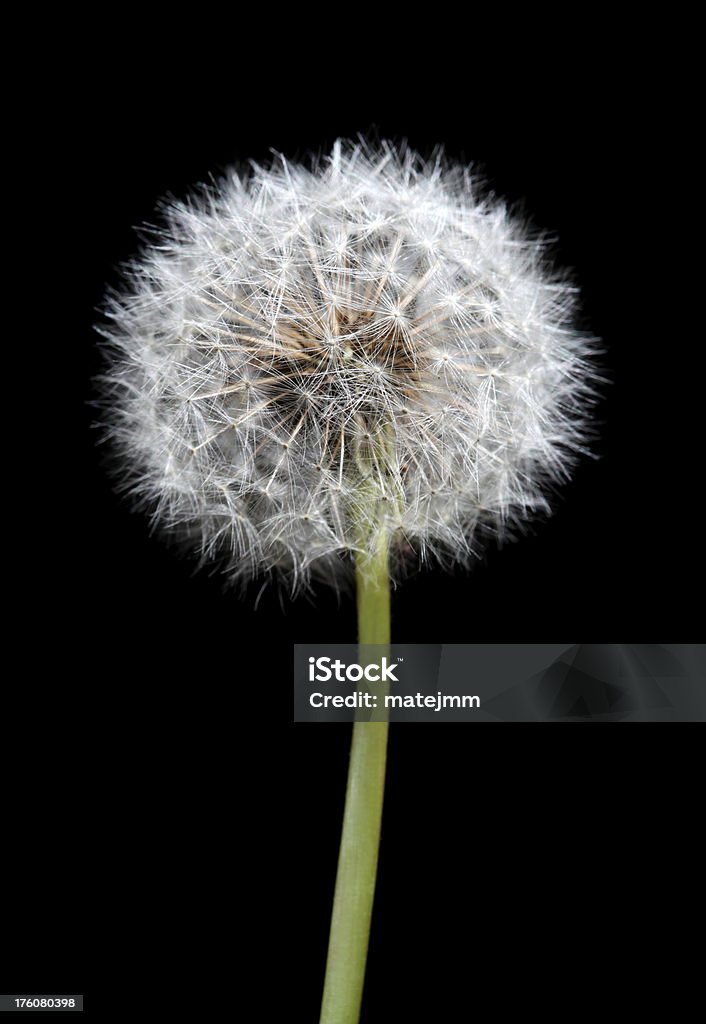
x=284 y=322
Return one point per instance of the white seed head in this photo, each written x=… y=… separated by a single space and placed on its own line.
x=307 y=356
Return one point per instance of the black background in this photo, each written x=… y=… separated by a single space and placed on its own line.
x=171 y=827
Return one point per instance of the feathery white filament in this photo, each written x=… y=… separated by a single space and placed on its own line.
x=307 y=355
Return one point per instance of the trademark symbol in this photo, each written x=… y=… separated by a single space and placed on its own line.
x=400 y=659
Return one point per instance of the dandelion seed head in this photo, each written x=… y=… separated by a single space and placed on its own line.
x=307 y=355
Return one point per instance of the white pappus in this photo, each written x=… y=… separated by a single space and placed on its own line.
x=305 y=356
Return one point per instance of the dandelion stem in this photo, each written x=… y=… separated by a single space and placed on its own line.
x=360 y=840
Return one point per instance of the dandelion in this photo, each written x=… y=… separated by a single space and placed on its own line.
x=346 y=369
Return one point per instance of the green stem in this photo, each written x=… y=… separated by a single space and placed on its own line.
x=360 y=840
x=372 y=576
